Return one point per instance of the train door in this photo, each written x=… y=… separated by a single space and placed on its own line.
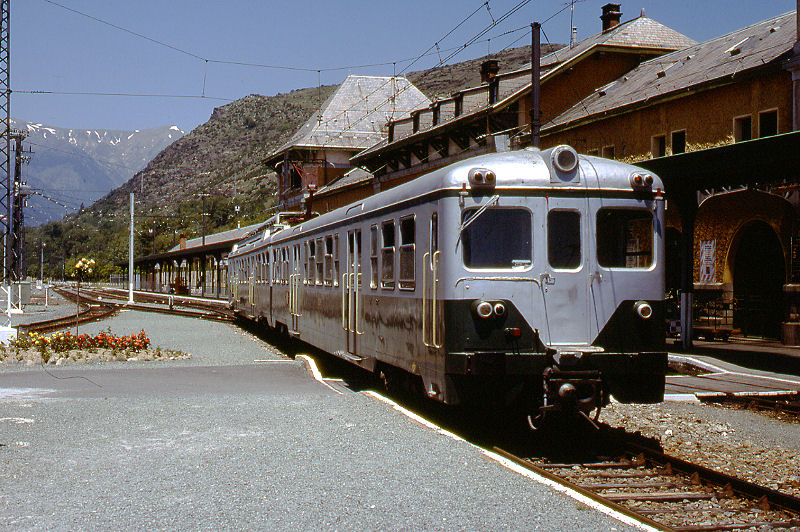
x=431 y=328
x=295 y=290
x=351 y=297
x=564 y=281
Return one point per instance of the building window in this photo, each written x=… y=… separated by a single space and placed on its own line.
x=407 y=247
x=387 y=255
x=608 y=152
x=415 y=122
x=658 y=145
x=459 y=104
x=678 y=142
x=742 y=128
x=768 y=123
x=436 y=113
x=593 y=151
x=373 y=256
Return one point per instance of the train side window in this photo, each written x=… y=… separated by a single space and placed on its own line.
x=373 y=256
x=624 y=238
x=407 y=249
x=328 y=261
x=387 y=255
x=336 y=260
x=564 y=239
x=320 y=261
x=309 y=263
x=499 y=238
x=434 y=233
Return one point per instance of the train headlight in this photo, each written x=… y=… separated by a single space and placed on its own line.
x=564 y=158
x=643 y=309
x=484 y=309
x=481 y=178
x=641 y=180
x=499 y=310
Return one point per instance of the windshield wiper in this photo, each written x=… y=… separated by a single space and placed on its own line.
x=466 y=223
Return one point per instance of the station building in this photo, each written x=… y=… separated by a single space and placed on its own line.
x=475 y=120
x=709 y=117
x=353 y=118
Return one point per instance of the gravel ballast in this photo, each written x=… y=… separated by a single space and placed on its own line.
x=742 y=443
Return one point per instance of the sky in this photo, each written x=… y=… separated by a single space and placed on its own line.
x=169 y=62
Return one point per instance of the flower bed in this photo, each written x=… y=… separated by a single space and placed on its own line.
x=65 y=347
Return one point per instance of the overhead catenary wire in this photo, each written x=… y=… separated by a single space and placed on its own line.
x=457 y=50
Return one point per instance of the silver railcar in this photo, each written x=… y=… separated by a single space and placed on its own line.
x=530 y=279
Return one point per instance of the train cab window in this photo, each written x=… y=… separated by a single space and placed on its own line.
x=373 y=256
x=564 y=239
x=407 y=248
x=387 y=255
x=498 y=239
x=328 y=261
x=624 y=238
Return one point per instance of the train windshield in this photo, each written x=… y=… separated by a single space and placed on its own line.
x=497 y=239
x=624 y=238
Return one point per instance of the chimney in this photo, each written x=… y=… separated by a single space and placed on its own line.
x=489 y=70
x=182 y=241
x=611 y=16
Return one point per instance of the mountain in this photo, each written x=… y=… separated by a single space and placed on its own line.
x=77 y=166
x=222 y=159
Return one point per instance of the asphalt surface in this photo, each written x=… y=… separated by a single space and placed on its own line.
x=223 y=442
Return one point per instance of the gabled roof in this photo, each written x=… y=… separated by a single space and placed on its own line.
x=354 y=116
x=642 y=34
x=639 y=33
x=717 y=60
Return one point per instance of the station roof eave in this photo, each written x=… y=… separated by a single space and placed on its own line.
x=768 y=160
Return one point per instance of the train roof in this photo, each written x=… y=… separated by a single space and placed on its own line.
x=513 y=171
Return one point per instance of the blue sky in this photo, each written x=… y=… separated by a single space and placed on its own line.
x=55 y=49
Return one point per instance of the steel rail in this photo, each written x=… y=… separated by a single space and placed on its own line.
x=666 y=467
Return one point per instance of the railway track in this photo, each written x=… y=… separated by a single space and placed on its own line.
x=89 y=310
x=95 y=306
x=668 y=493
x=176 y=306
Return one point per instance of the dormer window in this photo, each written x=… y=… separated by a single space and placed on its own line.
x=415 y=122
x=436 y=112
x=391 y=131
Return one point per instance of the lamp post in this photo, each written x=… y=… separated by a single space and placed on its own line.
x=82 y=267
x=41 y=265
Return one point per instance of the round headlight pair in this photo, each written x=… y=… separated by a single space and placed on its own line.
x=486 y=310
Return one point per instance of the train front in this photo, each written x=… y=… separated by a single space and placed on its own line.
x=554 y=291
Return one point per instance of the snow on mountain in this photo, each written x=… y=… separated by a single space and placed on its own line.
x=78 y=166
